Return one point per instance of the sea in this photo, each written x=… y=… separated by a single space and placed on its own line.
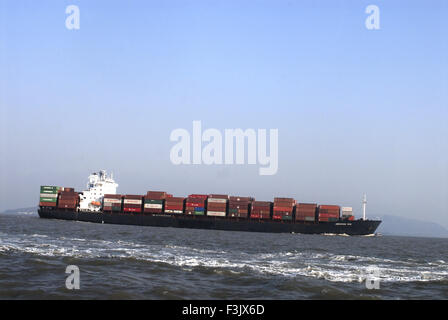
x=44 y=259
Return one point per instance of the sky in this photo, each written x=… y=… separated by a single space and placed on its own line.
x=357 y=110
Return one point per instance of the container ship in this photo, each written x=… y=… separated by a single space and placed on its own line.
x=100 y=203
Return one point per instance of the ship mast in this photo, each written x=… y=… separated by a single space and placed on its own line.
x=364 y=203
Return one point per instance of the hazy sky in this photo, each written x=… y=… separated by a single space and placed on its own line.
x=357 y=110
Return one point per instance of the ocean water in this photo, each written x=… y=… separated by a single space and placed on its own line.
x=131 y=262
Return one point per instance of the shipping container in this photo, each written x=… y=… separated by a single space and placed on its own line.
x=112 y=202
x=329 y=213
x=154 y=201
x=47 y=204
x=68 y=203
x=199 y=211
x=283 y=208
x=45 y=199
x=306 y=212
x=347 y=211
x=52 y=188
x=156 y=195
x=195 y=201
x=174 y=205
x=132 y=203
x=216 y=213
x=238 y=198
x=261 y=210
x=216 y=200
x=198 y=196
x=113 y=196
x=49 y=195
x=239 y=206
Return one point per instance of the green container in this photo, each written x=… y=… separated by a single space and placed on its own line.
x=287 y=218
x=233 y=210
x=49 y=188
x=116 y=208
x=199 y=213
x=154 y=201
x=49 y=191
x=48 y=199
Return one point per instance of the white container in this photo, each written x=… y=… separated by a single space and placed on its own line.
x=173 y=211
x=153 y=206
x=109 y=200
x=347 y=211
x=48 y=195
x=216 y=200
x=132 y=201
x=216 y=213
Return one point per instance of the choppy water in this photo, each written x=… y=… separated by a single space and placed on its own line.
x=128 y=262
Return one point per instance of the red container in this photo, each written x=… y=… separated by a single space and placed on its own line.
x=238 y=198
x=194 y=204
x=218 y=196
x=174 y=200
x=132 y=209
x=112 y=196
x=284 y=199
x=153 y=210
x=133 y=197
x=67 y=204
x=155 y=195
x=329 y=209
x=239 y=214
x=305 y=211
x=174 y=207
x=283 y=208
x=261 y=204
x=47 y=204
x=279 y=214
x=198 y=196
x=261 y=213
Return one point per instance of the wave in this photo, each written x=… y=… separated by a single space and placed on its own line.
x=287 y=263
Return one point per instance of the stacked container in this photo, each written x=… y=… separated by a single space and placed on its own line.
x=217 y=205
x=261 y=210
x=329 y=213
x=306 y=212
x=112 y=202
x=347 y=213
x=239 y=206
x=174 y=205
x=68 y=199
x=283 y=209
x=195 y=204
x=48 y=196
x=132 y=203
x=154 y=201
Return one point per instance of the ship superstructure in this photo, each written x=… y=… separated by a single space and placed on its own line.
x=99 y=184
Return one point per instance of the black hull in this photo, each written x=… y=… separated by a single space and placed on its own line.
x=357 y=227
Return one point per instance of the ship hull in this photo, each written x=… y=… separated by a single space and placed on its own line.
x=357 y=227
